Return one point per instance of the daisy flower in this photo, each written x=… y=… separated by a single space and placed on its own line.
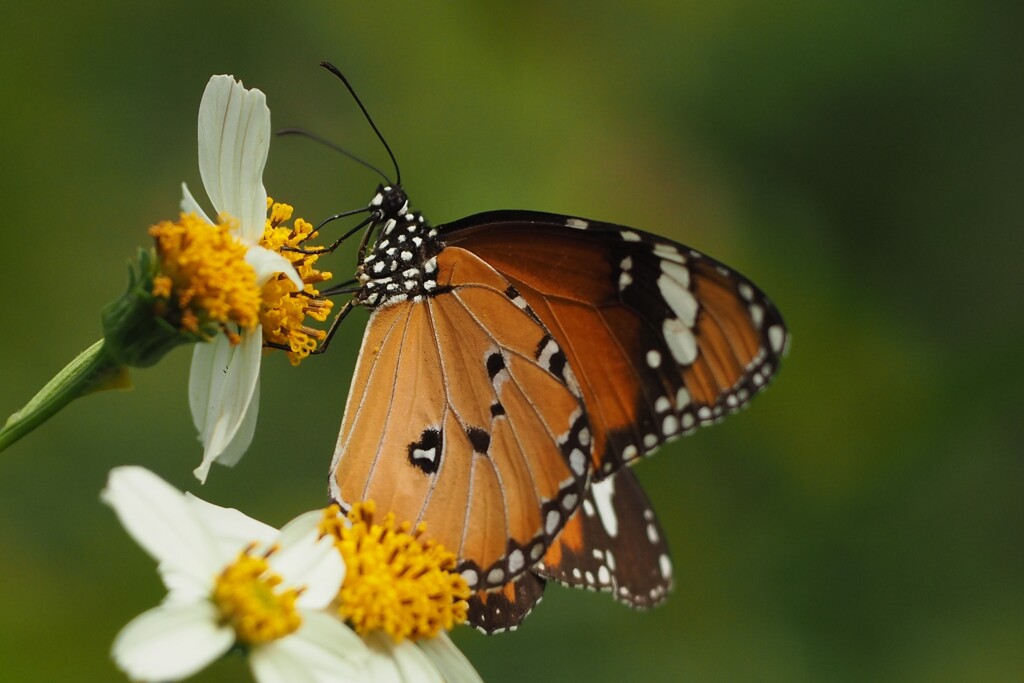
x=234 y=140
x=232 y=582
x=236 y=284
x=401 y=594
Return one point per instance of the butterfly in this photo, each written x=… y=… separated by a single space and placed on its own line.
x=514 y=365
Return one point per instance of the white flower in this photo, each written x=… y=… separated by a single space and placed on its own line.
x=429 y=660
x=231 y=581
x=234 y=139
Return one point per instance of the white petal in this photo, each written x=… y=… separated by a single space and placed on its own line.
x=449 y=660
x=190 y=205
x=268 y=263
x=205 y=357
x=234 y=530
x=234 y=138
x=183 y=588
x=157 y=516
x=171 y=642
x=324 y=650
x=398 y=663
x=222 y=385
x=234 y=451
x=313 y=564
x=307 y=522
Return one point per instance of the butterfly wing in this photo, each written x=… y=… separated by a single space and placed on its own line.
x=501 y=610
x=613 y=543
x=660 y=337
x=463 y=415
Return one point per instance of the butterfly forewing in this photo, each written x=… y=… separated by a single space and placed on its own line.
x=458 y=417
x=504 y=609
x=660 y=337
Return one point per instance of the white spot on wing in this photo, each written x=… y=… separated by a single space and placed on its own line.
x=515 y=561
x=578 y=462
x=682 y=398
x=677 y=295
x=602 y=493
x=630 y=236
x=577 y=223
x=669 y=252
x=670 y=425
x=776 y=337
x=756 y=315
x=680 y=341
x=551 y=523
x=653 y=358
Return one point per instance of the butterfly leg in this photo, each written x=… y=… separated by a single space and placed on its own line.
x=349 y=305
x=334 y=245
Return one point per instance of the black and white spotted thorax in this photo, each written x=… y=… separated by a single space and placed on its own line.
x=401 y=265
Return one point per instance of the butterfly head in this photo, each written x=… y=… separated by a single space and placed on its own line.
x=389 y=203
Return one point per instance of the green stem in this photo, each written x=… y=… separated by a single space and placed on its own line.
x=92 y=370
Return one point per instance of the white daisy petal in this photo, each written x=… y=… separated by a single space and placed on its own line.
x=233 y=530
x=398 y=663
x=295 y=530
x=268 y=263
x=313 y=563
x=227 y=379
x=157 y=516
x=171 y=642
x=324 y=650
x=183 y=588
x=201 y=378
x=234 y=138
x=449 y=660
x=190 y=205
x=239 y=444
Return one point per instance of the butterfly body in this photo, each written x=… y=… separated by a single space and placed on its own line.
x=514 y=364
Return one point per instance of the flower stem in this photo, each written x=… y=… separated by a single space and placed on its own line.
x=92 y=370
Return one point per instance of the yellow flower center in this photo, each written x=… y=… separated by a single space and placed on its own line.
x=204 y=282
x=395 y=581
x=249 y=599
x=284 y=308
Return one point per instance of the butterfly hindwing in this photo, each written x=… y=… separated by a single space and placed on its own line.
x=613 y=543
x=661 y=338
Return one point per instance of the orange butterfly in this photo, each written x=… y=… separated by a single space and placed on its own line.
x=514 y=364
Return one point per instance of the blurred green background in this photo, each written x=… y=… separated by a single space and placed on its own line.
x=862 y=161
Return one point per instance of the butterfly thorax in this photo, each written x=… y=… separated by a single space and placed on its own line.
x=401 y=265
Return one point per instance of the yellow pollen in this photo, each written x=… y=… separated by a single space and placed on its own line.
x=284 y=308
x=249 y=600
x=395 y=580
x=204 y=282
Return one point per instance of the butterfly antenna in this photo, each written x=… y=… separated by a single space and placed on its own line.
x=334 y=70
x=337 y=148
